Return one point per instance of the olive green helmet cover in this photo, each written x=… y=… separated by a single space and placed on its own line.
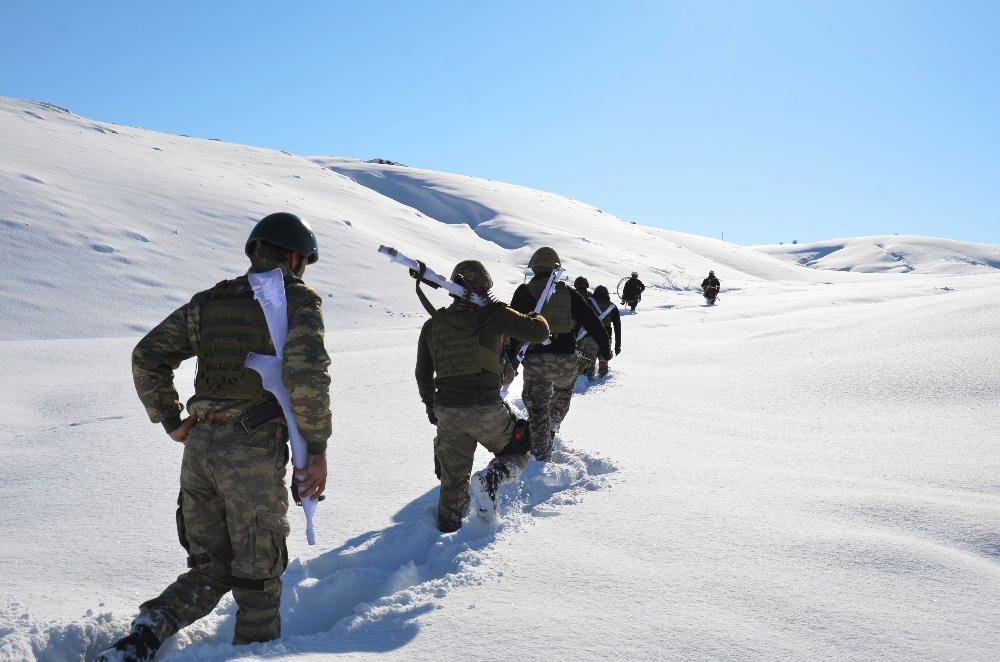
x=285 y=231
x=601 y=293
x=581 y=283
x=472 y=274
x=545 y=258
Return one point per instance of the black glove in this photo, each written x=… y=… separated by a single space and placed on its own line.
x=431 y=417
x=605 y=353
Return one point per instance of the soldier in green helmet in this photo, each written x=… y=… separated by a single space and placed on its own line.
x=550 y=370
x=232 y=515
x=460 y=369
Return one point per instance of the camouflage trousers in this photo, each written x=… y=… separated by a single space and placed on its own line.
x=459 y=430
x=232 y=519
x=588 y=347
x=548 y=387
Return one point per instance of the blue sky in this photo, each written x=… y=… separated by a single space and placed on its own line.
x=768 y=121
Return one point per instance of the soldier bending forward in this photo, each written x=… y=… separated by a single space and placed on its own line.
x=233 y=505
x=459 y=373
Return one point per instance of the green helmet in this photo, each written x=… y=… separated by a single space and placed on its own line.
x=581 y=283
x=545 y=258
x=601 y=293
x=472 y=274
x=285 y=230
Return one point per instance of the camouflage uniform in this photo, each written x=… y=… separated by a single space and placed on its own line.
x=548 y=387
x=589 y=349
x=550 y=371
x=459 y=429
x=232 y=514
x=231 y=518
x=459 y=373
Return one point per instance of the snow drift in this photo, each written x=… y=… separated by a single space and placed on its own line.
x=891 y=254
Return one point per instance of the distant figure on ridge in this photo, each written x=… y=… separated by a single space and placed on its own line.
x=612 y=320
x=460 y=369
x=710 y=288
x=632 y=292
x=550 y=371
x=232 y=517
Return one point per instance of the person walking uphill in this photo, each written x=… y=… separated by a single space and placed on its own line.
x=587 y=345
x=632 y=292
x=612 y=320
x=460 y=370
x=550 y=371
x=233 y=506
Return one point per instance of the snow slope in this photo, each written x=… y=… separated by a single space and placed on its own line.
x=805 y=471
x=891 y=254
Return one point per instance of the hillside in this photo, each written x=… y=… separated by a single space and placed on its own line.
x=891 y=254
x=805 y=471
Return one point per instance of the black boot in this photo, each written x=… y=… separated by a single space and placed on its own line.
x=543 y=451
x=485 y=485
x=140 y=645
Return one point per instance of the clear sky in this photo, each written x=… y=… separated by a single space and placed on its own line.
x=768 y=121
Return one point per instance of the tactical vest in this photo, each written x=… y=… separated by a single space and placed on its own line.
x=232 y=324
x=558 y=312
x=456 y=352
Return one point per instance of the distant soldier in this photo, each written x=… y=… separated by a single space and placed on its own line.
x=612 y=320
x=710 y=287
x=233 y=506
x=587 y=345
x=632 y=292
x=550 y=371
x=460 y=369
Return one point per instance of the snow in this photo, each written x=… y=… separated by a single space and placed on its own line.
x=806 y=471
x=892 y=254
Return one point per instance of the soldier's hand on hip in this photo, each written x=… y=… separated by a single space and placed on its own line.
x=313 y=477
x=181 y=433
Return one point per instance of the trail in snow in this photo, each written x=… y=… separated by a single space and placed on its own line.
x=366 y=593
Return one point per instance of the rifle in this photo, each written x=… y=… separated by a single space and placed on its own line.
x=550 y=288
x=423 y=274
x=269 y=291
x=583 y=332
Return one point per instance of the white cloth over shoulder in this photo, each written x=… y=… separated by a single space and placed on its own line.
x=269 y=291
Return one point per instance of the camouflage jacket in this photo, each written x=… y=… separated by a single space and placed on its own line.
x=304 y=371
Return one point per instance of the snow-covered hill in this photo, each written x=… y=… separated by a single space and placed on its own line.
x=805 y=471
x=892 y=254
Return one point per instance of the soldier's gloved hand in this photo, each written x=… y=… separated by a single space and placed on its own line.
x=605 y=353
x=313 y=477
x=181 y=433
x=431 y=417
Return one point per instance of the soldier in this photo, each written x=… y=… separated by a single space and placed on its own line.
x=632 y=292
x=460 y=369
x=550 y=371
x=233 y=505
x=612 y=320
x=587 y=345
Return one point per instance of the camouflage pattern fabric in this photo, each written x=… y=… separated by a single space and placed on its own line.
x=602 y=369
x=588 y=346
x=304 y=372
x=459 y=429
x=548 y=387
x=232 y=518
